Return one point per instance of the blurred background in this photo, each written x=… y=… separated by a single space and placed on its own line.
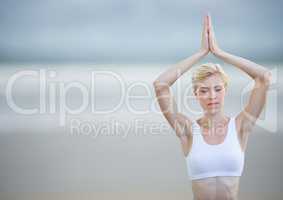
x=100 y=58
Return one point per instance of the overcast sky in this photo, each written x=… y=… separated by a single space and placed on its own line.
x=135 y=31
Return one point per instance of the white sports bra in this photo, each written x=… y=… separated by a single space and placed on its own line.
x=210 y=160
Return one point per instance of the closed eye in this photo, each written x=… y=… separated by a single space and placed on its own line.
x=203 y=91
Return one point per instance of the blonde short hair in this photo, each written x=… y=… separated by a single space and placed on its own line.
x=206 y=70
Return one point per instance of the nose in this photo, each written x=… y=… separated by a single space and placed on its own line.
x=212 y=94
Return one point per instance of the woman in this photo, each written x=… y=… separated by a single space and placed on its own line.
x=213 y=145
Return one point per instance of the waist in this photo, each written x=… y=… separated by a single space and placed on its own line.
x=216 y=188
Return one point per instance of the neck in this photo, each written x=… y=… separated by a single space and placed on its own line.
x=214 y=117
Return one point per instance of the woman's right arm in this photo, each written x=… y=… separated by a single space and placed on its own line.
x=179 y=122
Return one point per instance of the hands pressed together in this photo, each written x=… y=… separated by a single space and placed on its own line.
x=208 y=41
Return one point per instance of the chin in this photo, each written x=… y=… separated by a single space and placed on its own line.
x=213 y=110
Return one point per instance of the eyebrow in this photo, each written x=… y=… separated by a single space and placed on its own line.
x=208 y=87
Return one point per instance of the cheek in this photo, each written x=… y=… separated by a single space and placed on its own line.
x=203 y=96
x=221 y=96
x=203 y=99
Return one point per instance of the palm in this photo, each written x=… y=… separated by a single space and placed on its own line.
x=204 y=38
x=213 y=46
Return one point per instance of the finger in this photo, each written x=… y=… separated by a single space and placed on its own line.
x=204 y=24
x=207 y=21
x=204 y=29
x=207 y=25
x=211 y=30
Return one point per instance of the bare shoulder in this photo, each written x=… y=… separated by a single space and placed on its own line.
x=244 y=128
x=184 y=132
x=183 y=125
x=244 y=122
x=184 y=119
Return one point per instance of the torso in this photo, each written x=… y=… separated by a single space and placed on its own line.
x=216 y=188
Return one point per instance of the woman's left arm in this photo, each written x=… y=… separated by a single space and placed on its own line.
x=262 y=79
x=260 y=75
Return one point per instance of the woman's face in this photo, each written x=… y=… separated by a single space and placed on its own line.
x=211 y=93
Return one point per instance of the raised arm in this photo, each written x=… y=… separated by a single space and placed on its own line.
x=255 y=71
x=179 y=122
x=260 y=75
x=174 y=72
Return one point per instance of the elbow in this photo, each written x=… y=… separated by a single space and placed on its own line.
x=156 y=82
x=266 y=79
x=159 y=86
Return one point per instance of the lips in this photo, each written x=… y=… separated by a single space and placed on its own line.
x=213 y=103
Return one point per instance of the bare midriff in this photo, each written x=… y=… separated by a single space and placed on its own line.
x=216 y=188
